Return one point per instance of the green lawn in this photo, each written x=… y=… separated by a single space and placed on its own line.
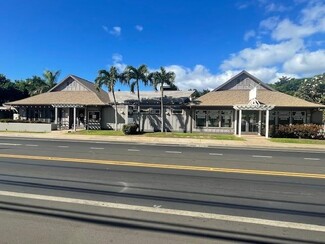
x=99 y=133
x=160 y=134
x=194 y=135
x=301 y=141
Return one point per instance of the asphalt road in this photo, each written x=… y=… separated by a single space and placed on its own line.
x=284 y=198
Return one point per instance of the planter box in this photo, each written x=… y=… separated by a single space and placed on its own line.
x=26 y=127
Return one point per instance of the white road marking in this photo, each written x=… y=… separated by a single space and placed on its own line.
x=261 y=156
x=63 y=146
x=312 y=159
x=133 y=150
x=215 y=154
x=173 y=152
x=31 y=145
x=97 y=148
x=10 y=144
x=231 y=218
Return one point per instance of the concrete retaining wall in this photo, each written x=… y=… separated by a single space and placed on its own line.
x=30 y=127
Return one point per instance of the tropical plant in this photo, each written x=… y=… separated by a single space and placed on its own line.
x=109 y=79
x=159 y=79
x=133 y=76
x=51 y=77
x=313 y=89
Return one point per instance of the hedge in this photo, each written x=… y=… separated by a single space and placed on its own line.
x=130 y=129
x=305 y=131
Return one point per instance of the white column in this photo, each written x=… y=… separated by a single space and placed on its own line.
x=239 y=123
x=74 y=118
x=267 y=120
x=259 y=122
x=235 y=123
x=56 y=115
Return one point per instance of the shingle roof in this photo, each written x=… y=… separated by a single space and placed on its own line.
x=61 y=97
x=232 y=97
x=122 y=96
x=52 y=97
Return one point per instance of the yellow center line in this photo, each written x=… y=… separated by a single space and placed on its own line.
x=167 y=166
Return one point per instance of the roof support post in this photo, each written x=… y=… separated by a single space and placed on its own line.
x=56 y=115
x=259 y=122
x=74 y=118
x=239 y=123
x=267 y=121
x=235 y=123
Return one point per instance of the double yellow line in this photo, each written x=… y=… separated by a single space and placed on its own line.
x=167 y=166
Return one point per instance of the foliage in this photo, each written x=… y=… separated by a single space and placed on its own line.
x=313 y=89
x=109 y=79
x=306 y=131
x=161 y=78
x=9 y=91
x=130 y=129
x=133 y=76
x=287 y=85
x=198 y=93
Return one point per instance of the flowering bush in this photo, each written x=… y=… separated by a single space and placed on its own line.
x=306 y=131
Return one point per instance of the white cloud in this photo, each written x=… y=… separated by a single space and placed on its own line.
x=288 y=30
x=272 y=7
x=118 y=62
x=263 y=55
x=269 y=23
x=249 y=34
x=306 y=63
x=105 y=28
x=311 y=21
x=139 y=28
x=116 y=31
x=199 y=77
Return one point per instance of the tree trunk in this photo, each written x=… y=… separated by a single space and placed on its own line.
x=115 y=104
x=139 y=109
x=162 y=108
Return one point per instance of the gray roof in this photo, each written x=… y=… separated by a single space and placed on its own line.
x=122 y=96
x=233 y=97
x=91 y=96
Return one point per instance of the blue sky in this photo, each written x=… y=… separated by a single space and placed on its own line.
x=204 y=42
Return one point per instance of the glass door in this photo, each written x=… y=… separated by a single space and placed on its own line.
x=249 y=123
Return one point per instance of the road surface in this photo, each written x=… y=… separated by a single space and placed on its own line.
x=177 y=194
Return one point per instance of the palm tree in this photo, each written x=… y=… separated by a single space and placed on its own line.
x=50 y=78
x=133 y=76
x=109 y=79
x=159 y=78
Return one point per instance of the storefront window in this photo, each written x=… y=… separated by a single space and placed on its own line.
x=284 y=117
x=226 y=118
x=298 y=117
x=200 y=118
x=213 y=119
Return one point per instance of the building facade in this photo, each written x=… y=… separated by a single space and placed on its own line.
x=242 y=105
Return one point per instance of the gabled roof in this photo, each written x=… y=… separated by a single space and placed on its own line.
x=90 y=96
x=244 y=72
x=230 y=98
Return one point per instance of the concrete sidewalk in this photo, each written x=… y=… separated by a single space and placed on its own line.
x=251 y=141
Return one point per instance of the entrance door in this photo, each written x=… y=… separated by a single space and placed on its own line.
x=249 y=123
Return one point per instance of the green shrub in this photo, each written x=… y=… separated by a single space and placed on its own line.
x=305 y=131
x=130 y=129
